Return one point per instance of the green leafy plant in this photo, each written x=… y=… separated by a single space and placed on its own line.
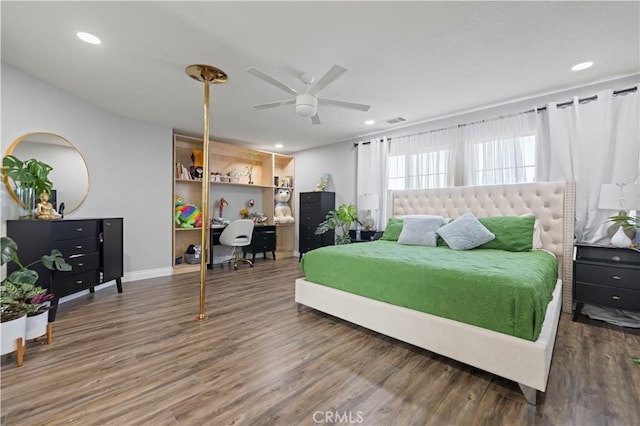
x=28 y=174
x=636 y=361
x=19 y=294
x=627 y=222
x=341 y=219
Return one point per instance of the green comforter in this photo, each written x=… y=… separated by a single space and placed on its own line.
x=499 y=290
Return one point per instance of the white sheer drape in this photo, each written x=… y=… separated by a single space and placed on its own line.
x=500 y=150
x=423 y=160
x=371 y=176
x=592 y=143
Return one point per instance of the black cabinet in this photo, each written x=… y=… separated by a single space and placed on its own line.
x=263 y=240
x=606 y=276
x=314 y=206
x=93 y=247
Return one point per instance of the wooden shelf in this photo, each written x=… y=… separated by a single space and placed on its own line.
x=229 y=159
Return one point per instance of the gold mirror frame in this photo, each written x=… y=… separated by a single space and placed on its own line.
x=53 y=139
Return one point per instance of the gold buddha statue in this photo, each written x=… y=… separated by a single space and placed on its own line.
x=44 y=209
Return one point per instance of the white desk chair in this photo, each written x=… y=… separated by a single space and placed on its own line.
x=238 y=234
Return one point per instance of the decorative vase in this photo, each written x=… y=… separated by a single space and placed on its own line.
x=620 y=239
x=11 y=331
x=27 y=200
x=37 y=325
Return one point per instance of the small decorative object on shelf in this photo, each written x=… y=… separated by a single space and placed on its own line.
x=253 y=157
x=222 y=203
x=620 y=239
x=323 y=183
x=244 y=213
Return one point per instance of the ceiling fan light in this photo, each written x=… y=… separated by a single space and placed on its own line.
x=306 y=105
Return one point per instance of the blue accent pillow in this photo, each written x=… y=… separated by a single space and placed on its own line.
x=420 y=230
x=465 y=233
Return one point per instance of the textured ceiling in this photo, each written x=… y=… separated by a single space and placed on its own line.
x=417 y=60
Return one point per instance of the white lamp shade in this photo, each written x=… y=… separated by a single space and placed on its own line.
x=369 y=202
x=610 y=197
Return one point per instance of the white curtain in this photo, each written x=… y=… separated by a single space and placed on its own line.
x=592 y=143
x=372 y=176
x=423 y=160
x=501 y=150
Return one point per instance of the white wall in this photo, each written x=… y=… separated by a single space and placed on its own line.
x=130 y=165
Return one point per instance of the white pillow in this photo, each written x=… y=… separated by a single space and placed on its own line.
x=465 y=233
x=536 y=244
x=420 y=230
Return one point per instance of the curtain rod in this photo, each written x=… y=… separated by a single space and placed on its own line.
x=543 y=108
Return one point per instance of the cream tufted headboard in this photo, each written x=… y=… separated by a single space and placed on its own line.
x=551 y=202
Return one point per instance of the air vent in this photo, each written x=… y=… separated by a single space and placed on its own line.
x=395 y=120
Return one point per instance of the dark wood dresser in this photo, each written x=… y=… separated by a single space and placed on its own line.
x=606 y=276
x=93 y=247
x=314 y=206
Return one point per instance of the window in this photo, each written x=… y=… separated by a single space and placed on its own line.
x=509 y=160
x=426 y=170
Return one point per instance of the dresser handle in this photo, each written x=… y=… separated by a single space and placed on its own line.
x=79 y=282
x=616 y=277
x=78 y=247
x=79 y=229
x=616 y=258
x=80 y=265
x=615 y=297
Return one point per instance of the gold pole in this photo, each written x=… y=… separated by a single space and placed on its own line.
x=206 y=74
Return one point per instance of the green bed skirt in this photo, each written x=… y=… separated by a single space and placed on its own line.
x=503 y=291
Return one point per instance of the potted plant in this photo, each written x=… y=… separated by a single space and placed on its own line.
x=630 y=224
x=30 y=178
x=341 y=218
x=19 y=294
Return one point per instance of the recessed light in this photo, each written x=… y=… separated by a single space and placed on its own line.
x=279 y=145
x=88 y=38
x=582 y=66
x=370 y=122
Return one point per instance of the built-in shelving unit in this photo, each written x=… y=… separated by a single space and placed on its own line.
x=231 y=163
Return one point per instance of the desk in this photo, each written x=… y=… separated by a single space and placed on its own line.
x=262 y=241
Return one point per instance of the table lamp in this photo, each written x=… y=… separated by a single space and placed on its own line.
x=369 y=202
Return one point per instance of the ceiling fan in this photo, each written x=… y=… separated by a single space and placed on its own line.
x=306 y=101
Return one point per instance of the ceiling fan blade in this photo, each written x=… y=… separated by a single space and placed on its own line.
x=335 y=72
x=275 y=104
x=342 y=104
x=315 y=119
x=266 y=77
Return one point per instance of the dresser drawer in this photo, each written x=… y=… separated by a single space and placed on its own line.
x=621 y=298
x=77 y=246
x=66 y=285
x=310 y=197
x=67 y=230
x=82 y=263
x=608 y=275
x=608 y=255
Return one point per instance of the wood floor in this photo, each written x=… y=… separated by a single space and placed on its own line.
x=140 y=358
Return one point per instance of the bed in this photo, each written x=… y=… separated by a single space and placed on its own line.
x=524 y=361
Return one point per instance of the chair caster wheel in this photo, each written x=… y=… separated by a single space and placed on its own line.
x=251 y=265
x=235 y=268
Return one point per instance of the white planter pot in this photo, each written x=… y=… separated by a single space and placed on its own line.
x=37 y=325
x=10 y=331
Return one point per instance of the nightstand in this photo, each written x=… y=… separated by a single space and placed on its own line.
x=606 y=276
x=365 y=236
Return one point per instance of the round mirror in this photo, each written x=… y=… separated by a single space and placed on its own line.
x=70 y=175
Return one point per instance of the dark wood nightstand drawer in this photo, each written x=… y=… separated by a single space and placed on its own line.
x=621 y=298
x=608 y=275
x=608 y=255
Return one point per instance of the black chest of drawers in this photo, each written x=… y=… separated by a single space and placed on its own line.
x=93 y=247
x=606 y=276
x=314 y=206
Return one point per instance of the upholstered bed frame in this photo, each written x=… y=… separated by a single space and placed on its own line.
x=522 y=361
